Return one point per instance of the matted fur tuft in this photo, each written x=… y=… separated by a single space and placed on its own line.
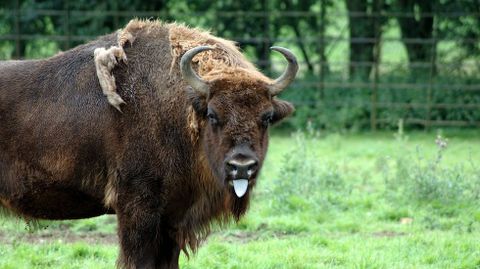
x=105 y=61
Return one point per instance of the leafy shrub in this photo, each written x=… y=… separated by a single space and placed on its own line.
x=429 y=180
x=304 y=183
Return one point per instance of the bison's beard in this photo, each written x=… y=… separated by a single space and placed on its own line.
x=238 y=206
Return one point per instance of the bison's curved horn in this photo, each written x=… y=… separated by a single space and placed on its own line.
x=288 y=75
x=189 y=75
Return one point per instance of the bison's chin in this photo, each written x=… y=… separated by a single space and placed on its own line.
x=238 y=205
x=239 y=196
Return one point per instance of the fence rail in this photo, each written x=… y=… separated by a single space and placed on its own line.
x=448 y=82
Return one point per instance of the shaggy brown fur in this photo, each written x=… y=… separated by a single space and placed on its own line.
x=66 y=153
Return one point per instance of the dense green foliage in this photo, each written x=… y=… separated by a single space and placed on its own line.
x=377 y=200
x=422 y=56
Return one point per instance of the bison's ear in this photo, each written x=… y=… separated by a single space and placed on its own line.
x=198 y=101
x=281 y=110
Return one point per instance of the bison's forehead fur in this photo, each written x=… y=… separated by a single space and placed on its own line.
x=240 y=94
x=224 y=60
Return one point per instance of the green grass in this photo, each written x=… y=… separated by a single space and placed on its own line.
x=371 y=200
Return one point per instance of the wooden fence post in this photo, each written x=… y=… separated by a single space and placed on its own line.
x=322 y=50
x=376 y=56
x=18 y=53
x=433 y=58
x=266 y=36
x=66 y=25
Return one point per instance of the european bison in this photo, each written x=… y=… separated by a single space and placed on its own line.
x=184 y=150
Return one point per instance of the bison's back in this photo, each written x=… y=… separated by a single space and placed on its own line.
x=54 y=123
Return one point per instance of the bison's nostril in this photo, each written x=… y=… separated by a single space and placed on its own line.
x=252 y=167
x=231 y=167
x=242 y=168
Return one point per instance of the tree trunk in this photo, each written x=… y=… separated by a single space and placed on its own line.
x=362 y=36
x=262 y=52
x=417 y=31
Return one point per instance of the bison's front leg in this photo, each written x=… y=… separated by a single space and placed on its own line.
x=145 y=241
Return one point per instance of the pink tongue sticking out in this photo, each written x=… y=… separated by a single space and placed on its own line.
x=240 y=186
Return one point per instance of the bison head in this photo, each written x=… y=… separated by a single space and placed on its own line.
x=237 y=105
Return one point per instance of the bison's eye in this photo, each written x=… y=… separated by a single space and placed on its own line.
x=212 y=117
x=267 y=119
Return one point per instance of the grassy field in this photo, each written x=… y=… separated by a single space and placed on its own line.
x=372 y=200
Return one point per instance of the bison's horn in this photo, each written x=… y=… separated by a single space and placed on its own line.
x=288 y=75
x=187 y=72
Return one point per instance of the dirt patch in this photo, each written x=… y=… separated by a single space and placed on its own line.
x=42 y=237
x=240 y=237
x=388 y=234
x=248 y=236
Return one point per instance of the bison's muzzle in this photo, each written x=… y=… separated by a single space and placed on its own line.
x=241 y=167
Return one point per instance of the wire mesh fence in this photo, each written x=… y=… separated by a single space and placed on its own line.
x=359 y=68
